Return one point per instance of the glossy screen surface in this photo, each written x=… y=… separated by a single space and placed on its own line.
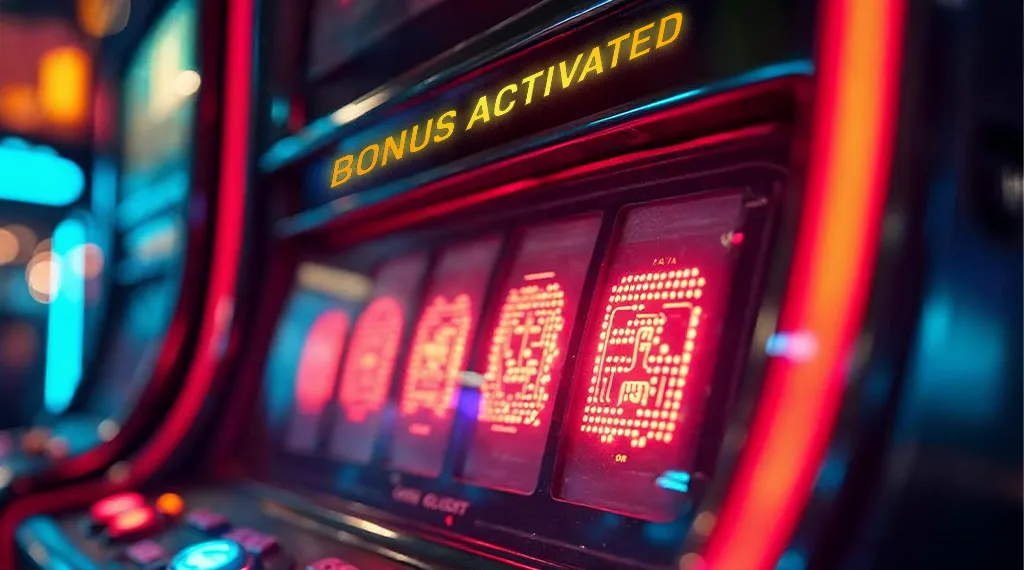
x=647 y=357
x=372 y=358
x=531 y=317
x=439 y=354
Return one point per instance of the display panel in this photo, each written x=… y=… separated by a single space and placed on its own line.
x=342 y=29
x=314 y=379
x=525 y=352
x=439 y=355
x=371 y=358
x=138 y=335
x=159 y=101
x=647 y=357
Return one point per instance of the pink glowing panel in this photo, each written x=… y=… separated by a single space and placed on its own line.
x=522 y=364
x=314 y=379
x=439 y=355
x=647 y=357
x=369 y=367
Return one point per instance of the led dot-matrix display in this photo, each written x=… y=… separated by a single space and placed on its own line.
x=439 y=355
x=525 y=350
x=314 y=377
x=371 y=358
x=647 y=357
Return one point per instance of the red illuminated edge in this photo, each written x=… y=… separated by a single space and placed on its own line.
x=218 y=308
x=851 y=154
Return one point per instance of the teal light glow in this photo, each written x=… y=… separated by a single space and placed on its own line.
x=66 y=321
x=38 y=175
x=210 y=555
x=678 y=481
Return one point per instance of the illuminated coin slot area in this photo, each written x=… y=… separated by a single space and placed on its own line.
x=314 y=378
x=371 y=358
x=645 y=349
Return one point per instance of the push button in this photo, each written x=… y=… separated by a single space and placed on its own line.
x=330 y=564
x=253 y=541
x=207 y=521
x=145 y=553
x=104 y=510
x=211 y=555
x=132 y=523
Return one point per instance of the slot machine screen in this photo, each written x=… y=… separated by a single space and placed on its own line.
x=647 y=357
x=151 y=220
x=371 y=358
x=159 y=109
x=439 y=355
x=306 y=354
x=528 y=341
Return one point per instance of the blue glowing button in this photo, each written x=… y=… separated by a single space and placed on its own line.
x=211 y=555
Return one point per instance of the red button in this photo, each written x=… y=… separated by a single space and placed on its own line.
x=105 y=509
x=131 y=522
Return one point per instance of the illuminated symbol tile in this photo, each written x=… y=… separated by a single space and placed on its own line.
x=646 y=344
x=437 y=359
x=371 y=359
x=319 y=361
x=524 y=347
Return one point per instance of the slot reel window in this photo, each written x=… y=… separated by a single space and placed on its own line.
x=371 y=358
x=531 y=319
x=305 y=356
x=439 y=355
x=648 y=353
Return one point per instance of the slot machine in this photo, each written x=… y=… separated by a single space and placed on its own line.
x=133 y=254
x=630 y=284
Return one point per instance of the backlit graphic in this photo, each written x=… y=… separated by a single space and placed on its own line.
x=523 y=350
x=645 y=349
x=647 y=358
x=314 y=379
x=371 y=359
x=522 y=362
x=439 y=355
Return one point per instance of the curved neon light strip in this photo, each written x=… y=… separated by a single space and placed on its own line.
x=35 y=176
x=852 y=141
x=66 y=320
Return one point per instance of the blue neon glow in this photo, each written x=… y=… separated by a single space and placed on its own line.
x=38 y=175
x=66 y=321
x=210 y=555
x=678 y=481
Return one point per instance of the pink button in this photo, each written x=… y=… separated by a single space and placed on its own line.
x=330 y=564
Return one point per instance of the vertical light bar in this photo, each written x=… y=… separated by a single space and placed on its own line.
x=66 y=321
x=856 y=99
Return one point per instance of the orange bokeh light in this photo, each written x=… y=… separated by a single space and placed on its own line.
x=64 y=85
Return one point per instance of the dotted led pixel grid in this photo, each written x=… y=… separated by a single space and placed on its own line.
x=366 y=375
x=640 y=371
x=524 y=346
x=318 y=364
x=438 y=354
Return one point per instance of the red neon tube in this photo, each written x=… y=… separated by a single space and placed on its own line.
x=852 y=142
